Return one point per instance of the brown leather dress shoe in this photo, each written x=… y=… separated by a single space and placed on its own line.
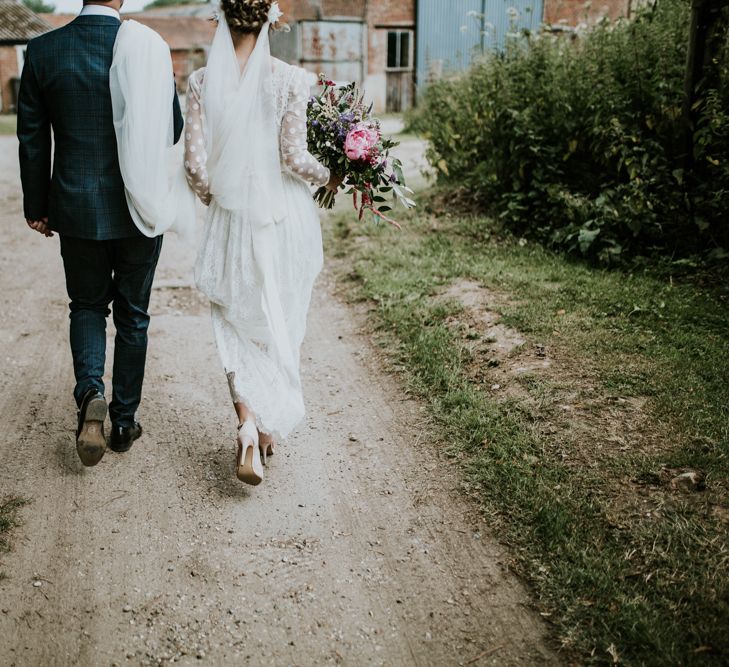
x=90 y=439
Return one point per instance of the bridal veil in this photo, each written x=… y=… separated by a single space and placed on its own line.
x=244 y=170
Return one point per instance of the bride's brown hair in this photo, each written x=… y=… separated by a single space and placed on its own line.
x=246 y=16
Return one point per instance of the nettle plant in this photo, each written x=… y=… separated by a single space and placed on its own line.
x=577 y=140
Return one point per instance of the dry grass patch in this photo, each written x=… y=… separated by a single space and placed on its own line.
x=9 y=508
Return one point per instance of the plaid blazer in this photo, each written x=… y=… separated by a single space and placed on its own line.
x=65 y=86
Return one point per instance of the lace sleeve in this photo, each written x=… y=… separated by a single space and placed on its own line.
x=294 y=151
x=195 y=156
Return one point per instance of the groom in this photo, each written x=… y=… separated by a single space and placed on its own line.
x=65 y=88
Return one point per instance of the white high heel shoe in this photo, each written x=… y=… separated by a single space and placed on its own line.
x=267 y=449
x=249 y=468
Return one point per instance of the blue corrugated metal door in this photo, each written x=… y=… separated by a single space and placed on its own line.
x=451 y=32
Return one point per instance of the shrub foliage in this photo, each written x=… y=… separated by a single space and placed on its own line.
x=578 y=141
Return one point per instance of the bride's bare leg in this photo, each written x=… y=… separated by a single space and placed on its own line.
x=244 y=412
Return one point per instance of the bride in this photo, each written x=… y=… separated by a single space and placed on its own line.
x=246 y=158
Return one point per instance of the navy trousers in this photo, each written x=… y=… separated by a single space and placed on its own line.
x=99 y=273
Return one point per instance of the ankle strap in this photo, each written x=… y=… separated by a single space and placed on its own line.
x=248 y=427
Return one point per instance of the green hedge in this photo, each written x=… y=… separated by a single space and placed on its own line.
x=577 y=141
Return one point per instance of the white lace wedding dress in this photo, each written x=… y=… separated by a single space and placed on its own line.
x=228 y=269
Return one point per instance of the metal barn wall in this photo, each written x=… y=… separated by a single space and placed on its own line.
x=285 y=45
x=448 y=37
x=334 y=48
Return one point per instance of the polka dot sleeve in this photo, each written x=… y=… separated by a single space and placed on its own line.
x=195 y=155
x=294 y=152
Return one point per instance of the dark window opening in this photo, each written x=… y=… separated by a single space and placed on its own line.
x=399 y=49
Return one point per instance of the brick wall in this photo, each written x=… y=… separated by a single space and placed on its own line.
x=573 y=12
x=381 y=15
x=391 y=12
x=343 y=7
x=8 y=71
x=297 y=10
x=184 y=63
x=375 y=12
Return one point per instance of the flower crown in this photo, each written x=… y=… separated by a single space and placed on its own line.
x=274 y=13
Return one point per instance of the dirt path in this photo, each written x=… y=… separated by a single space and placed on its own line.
x=357 y=549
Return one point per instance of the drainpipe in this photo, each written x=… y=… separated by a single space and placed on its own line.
x=416 y=3
x=706 y=25
x=366 y=46
x=483 y=27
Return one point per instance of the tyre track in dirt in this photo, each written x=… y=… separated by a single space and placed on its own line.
x=358 y=549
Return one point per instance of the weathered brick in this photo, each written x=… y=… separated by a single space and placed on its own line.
x=8 y=72
x=574 y=12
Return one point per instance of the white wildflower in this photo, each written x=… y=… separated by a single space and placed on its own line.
x=275 y=13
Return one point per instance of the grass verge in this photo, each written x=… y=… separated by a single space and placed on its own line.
x=575 y=442
x=8 y=520
x=7 y=124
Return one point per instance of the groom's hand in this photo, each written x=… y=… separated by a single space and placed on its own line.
x=40 y=226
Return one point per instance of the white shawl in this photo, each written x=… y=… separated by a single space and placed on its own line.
x=141 y=84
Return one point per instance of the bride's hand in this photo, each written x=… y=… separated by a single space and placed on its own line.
x=334 y=182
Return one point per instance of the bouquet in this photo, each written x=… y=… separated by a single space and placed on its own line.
x=344 y=137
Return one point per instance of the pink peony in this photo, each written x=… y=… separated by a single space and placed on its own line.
x=360 y=141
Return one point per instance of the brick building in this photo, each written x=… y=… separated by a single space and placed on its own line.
x=370 y=41
x=576 y=12
x=18 y=25
x=391 y=53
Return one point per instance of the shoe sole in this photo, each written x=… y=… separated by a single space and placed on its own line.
x=246 y=473
x=120 y=449
x=91 y=443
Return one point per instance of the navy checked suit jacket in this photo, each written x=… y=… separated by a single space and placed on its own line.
x=65 y=87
